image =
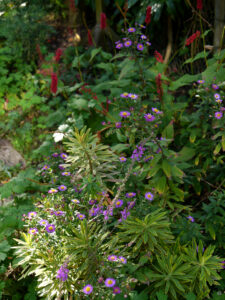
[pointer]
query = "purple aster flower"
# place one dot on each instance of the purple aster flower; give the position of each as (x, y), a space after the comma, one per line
(215, 87)
(103, 123)
(116, 290)
(118, 124)
(123, 159)
(112, 258)
(223, 264)
(140, 47)
(127, 43)
(131, 204)
(201, 81)
(62, 188)
(119, 46)
(43, 222)
(50, 228)
(122, 259)
(94, 211)
(62, 273)
(142, 26)
(149, 196)
(88, 289)
(119, 203)
(66, 173)
(219, 101)
(124, 95)
(92, 201)
(81, 216)
(124, 214)
(124, 114)
(117, 42)
(149, 117)
(130, 195)
(138, 153)
(148, 43)
(133, 96)
(55, 154)
(156, 110)
(191, 218)
(63, 155)
(131, 29)
(33, 231)
(31, 214)
(75, 201)
(45, 167)
(218, 115)
(147, 158)
(222, 108)
(108, 212)
(59, 213)
(110, 282)
(61, 167)
(217, 96)
(143, 37)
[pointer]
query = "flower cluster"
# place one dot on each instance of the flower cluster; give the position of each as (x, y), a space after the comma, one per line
(191, 39)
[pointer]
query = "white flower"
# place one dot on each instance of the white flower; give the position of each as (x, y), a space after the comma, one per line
(2, 13)
(23, 4)
(58, 136)
(63, 127)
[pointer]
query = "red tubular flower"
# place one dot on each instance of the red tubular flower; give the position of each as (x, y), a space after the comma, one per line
(58, 54)
(199, 4)
(159, 85)
(54, 83)
(148, 15)
(72, 6)
(103, 21)
(158, 56)
(191, 39)
(90, 41)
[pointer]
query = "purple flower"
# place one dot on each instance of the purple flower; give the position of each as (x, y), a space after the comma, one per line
(124, 95)
(215, 87)
(201, 81)
(116, 290)
(149, 196)
(191, 218)
(218, 115)
(133, 96)
(92, 201)
(131, 29)
(31, 214)
(88, 289)
(63, 155)
(94, 211)
(143, 37)
(43, 222)
(62, 273)
(45, 167)
(148, 43)
(122, 259)
(33, 231)
(140, 47)
(138, 153)
(112, 258)
(108, 212)
(103, 123)
(131, 204)
(62, 188)
(118, 124)
(119, 46)
(59, 213)
(75, 201)
(53, 191)
(149, 117)
(110, 282)
(124, 114)
(142, 26)
(50, 228)
(155, 110)
(55, 154)
(147, 158)
(130, 195)
(127, 43)
(219, 101)
(217, 96)
(223, 264)
(61, 167)
(119, 203)
(123, 159)
(66, 174)
(81, 216)
(124, 214)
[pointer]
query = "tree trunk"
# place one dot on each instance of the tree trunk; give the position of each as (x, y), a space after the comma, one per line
(219, 22)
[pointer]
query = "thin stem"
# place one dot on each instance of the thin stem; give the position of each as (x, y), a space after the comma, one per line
(203, 37)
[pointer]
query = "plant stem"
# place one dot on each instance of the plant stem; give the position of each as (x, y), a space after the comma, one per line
(203, 37)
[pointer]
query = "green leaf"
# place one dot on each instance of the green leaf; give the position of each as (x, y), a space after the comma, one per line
(94, 52)
(161, 296)
(168, 131)
(184, 80)
(185, 154)
(198, 56)
(190, 296)
(3, 256)
(161, 185)
(166, 168)
(211, 231)
(217, 149)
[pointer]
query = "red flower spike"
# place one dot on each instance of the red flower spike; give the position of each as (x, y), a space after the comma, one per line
(90, 41)
(58, 54)
(191, 39)
(72, 6)
(199, 4)
(159, 85)
(158, 56)
(103, 21)
(38, 49)
(54, 83)
(148, 15)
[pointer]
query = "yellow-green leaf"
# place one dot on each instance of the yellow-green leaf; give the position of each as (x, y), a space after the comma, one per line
(166, 168)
